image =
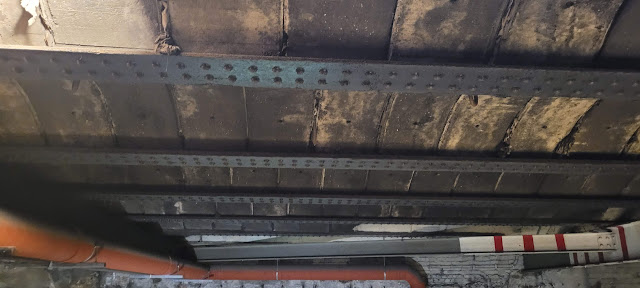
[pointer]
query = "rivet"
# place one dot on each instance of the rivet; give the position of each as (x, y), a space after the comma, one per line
(276, 69)
(255, 79)
(163, 75)
(571, 81)
(515, 89)
(525, 80)
(635, 84)
(232, 78)
(460, 77)
(430, 86)
(322, 81)
(437, 76)
(577, 92)
(409, 85)
(139, 74)
(415, 75)
(209, 77)
(556, 91)
(537, 90)
(614, 83)
(228, 67)
(299, 81)
(323, 71)
(346, 72)
(205, 66)
(186, 76)
(155, 64)
(473, 88)
(80, 61)
(504, 79)
(299, 70)
(344, 82)
(277, 80)
(393, 74)
(453, 87)
(599, 92)
(387, 84)
(180, 65)
(253, 69)
(130, 64)
(366, 83)
(482, 78)
(370, 73)
(115, 74)
(105, 62)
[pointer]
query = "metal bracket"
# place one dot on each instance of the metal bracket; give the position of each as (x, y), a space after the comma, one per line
(284, 72)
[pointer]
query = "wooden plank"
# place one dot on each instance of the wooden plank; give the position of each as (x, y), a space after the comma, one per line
(433, 182)
(344, 180)
(71, 113)
(451, 30)
(348, 122)
(212, 117)
(562, 185)
(18, 122)
(250, 27)
(476, 182)
(279, 119)
(103, 25)
(518, 183)
(607, 129)
(544, 122)
(143, 116)
(415, 122)
(621, 47)
(605, 185)
(388, 181)
(476, 126)
(554, 32)
(339, 28)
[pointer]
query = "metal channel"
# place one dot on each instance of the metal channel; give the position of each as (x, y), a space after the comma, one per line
(285, 72)
(346, 199)
(333, 249)
(183, 222)
(318, 161)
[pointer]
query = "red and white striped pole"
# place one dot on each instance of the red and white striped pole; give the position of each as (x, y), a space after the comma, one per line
(621, 244)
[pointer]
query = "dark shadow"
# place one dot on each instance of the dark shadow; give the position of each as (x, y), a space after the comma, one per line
(29, 197)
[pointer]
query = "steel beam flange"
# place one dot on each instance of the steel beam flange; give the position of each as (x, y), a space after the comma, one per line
(284, 72)
(345, 199)
(308, 161)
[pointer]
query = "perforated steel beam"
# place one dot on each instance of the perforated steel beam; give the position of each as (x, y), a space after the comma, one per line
(310, 161)
(284, 72)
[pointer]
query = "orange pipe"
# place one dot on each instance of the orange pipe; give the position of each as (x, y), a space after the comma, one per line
(30, 241)
(317, 272)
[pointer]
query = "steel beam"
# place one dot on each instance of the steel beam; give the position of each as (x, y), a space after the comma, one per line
(285, 72)
(153, 194)
(67, 156)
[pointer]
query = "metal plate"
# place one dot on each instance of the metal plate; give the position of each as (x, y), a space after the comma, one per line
(377, 162)
(345, 199)
(284, 72)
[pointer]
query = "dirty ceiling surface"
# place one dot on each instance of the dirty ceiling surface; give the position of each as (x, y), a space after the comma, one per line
(88, 114)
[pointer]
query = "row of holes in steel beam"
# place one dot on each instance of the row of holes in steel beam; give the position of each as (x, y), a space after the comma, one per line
(277, 162)
(613, 85)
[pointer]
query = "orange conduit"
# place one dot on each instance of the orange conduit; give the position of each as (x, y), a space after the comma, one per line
(317, 272)
(30, 241)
